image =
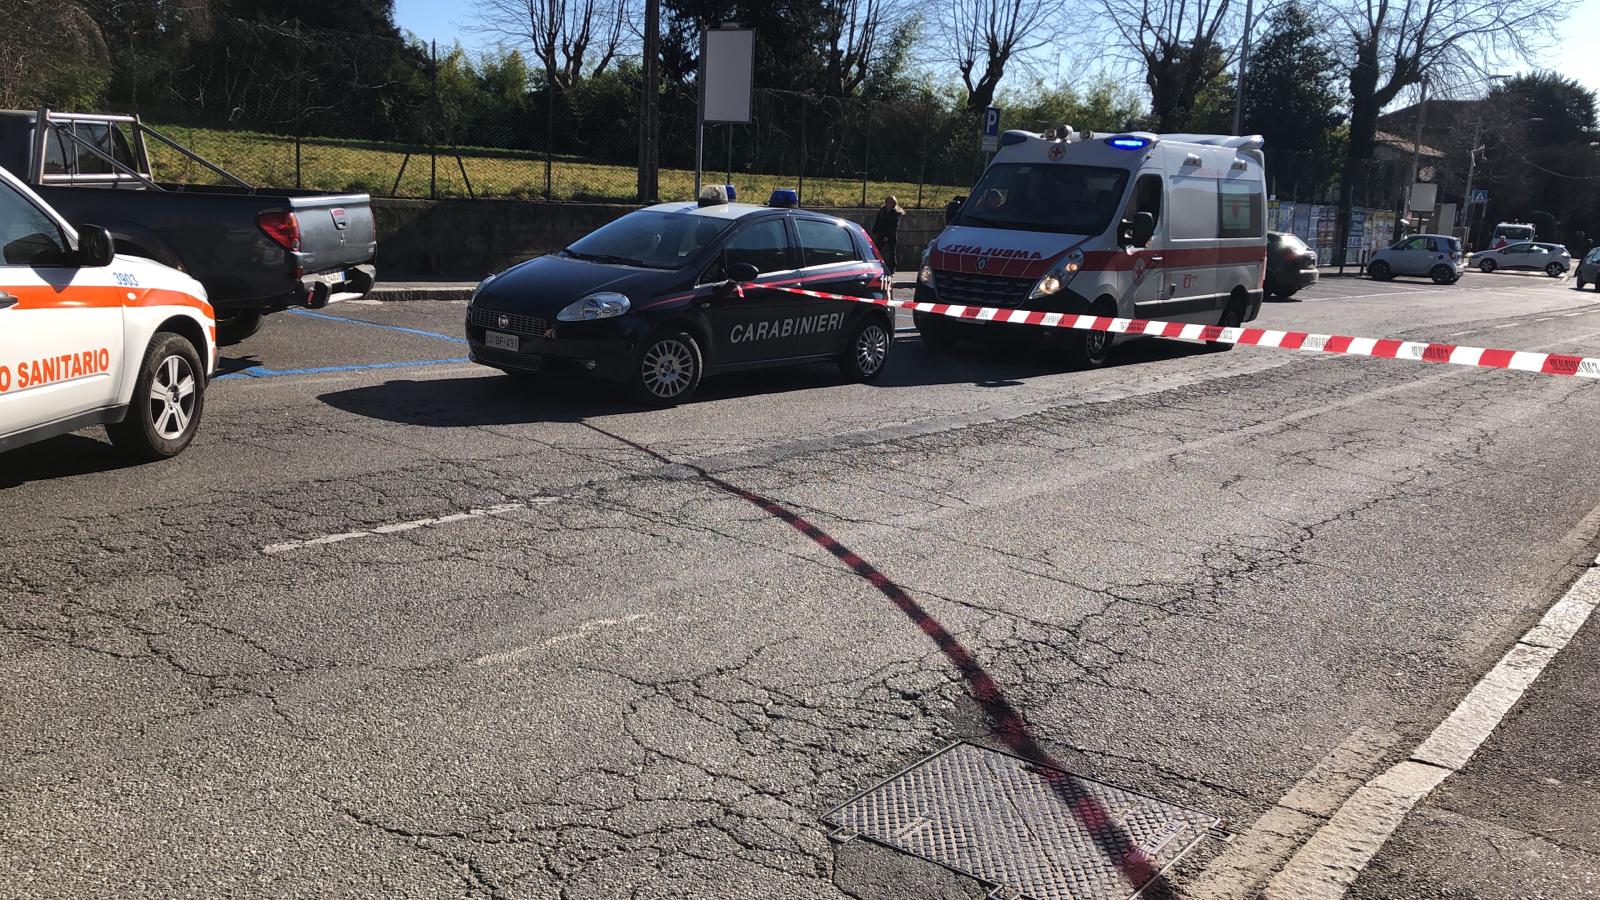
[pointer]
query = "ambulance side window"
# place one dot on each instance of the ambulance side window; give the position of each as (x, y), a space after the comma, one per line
(28, 237)
(1147, 196)
(824, 243)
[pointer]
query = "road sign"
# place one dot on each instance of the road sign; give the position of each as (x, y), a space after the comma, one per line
(991, 129)
(1480, 197)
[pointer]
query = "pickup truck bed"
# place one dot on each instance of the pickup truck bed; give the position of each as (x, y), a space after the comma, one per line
(255, 250)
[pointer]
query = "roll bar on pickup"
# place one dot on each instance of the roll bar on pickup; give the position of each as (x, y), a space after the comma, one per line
(48, 121)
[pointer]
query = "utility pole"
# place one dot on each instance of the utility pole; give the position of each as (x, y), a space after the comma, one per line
(1244, 53)
(650, 107)
(1472, 169)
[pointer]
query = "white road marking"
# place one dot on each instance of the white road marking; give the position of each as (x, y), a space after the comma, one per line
(499, 509)
(519, 654)
(1327, 864)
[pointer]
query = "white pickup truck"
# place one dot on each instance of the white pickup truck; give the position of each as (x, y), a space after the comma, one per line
(91, 338)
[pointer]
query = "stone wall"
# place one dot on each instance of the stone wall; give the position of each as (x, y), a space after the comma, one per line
(468, 239)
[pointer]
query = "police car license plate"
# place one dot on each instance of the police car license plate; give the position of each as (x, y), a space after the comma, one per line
(501, 341)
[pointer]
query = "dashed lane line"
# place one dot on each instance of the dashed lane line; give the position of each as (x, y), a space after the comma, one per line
(1327, 864)
(498, 509)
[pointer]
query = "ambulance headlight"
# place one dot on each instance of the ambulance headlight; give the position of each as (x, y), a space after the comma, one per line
(604, 305)
(925, 274)
(1057, 278)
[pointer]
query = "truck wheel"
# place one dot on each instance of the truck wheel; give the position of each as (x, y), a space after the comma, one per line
(168, 397)
(236, 325)
(668, 369)
(866, 354)
(1090, 349)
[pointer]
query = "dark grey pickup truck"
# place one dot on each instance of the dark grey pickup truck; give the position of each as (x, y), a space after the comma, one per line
(256, 251)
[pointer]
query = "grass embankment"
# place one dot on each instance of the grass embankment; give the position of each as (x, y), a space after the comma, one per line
(369, 167)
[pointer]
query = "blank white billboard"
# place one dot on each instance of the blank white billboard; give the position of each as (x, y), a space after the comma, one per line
(730, 67)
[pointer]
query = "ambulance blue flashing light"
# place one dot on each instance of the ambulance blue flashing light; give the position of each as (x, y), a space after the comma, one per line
(1127, 142)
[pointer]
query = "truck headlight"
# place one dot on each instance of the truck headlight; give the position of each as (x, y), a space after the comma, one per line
(1057, 277)
(604, 305)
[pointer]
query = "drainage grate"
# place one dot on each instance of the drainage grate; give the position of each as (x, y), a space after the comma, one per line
(1018, 825)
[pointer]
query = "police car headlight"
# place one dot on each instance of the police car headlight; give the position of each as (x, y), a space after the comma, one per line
(481, 285)
(604, 305)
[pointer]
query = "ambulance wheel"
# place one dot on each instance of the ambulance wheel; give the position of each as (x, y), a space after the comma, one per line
(1090, 349)
(867, 354)
(935, 334)
(168, 398)
(668, 369)
(1380, 271)
(237, 325)
(1486, 266)
(1232, 317)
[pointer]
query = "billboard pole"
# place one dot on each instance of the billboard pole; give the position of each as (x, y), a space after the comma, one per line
(700, 118)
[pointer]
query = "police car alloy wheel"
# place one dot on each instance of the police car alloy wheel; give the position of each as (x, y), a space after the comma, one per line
(867, 353)
(168, 399)
(668, 370)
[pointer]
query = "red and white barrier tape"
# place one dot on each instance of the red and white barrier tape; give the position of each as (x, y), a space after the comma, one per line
(1383, 348)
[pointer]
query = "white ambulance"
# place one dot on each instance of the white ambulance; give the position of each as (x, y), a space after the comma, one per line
(1136, 225)
(91, 338)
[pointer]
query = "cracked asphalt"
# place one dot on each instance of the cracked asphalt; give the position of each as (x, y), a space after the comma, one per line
(1195, 575)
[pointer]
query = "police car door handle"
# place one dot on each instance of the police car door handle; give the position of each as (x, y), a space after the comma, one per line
(6, 300)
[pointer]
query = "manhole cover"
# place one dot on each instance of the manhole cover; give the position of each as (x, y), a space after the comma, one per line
(1021, 826)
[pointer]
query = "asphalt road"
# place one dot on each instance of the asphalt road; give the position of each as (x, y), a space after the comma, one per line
(399, 626)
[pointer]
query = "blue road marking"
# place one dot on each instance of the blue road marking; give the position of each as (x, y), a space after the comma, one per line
(401, 328)
(264, 372)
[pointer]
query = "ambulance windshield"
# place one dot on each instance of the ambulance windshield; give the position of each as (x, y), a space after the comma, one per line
(1066, 199)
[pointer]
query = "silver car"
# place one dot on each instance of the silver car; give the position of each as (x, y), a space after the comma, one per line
(1551, 259)
(1436, 256)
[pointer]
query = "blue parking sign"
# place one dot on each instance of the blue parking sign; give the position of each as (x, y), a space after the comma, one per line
(991, 129)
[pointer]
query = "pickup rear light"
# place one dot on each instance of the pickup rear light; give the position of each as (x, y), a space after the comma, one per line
(282, 226)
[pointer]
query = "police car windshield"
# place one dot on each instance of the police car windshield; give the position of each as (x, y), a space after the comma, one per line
(1051, 197)
(651, 240)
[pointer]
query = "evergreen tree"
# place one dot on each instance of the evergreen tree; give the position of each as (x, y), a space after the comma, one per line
(1292, 100)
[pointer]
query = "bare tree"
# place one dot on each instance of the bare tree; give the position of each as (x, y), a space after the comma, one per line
(851, 31)
(982, 37)
(1181, 45)
(1390, 45)
(571, 39)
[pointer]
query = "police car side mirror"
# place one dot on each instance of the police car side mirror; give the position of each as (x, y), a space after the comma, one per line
(743, 273)
(96, 248)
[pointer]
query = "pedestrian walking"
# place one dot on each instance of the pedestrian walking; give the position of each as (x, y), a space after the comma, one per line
(886, 229)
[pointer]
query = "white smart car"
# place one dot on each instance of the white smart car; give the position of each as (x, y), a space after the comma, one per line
(1435, 256)
(91, 338)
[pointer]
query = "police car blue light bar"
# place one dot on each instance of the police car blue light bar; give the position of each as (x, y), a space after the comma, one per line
(1129, 142)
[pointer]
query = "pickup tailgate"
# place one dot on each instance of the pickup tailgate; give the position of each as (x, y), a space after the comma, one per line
(336, 231)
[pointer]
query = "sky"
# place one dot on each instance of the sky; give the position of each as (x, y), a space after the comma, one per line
(1573, 54)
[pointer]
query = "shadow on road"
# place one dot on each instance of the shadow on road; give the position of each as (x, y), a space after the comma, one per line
(61, 457)
(519, 400)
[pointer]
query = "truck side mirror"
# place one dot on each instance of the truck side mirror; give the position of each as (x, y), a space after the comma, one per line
(96, 248)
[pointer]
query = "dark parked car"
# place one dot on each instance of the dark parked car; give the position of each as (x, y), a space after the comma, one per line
(665, 295)
(1291, 265)
(255, 251)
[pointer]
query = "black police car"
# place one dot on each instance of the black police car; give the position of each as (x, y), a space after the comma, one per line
(665, 295)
